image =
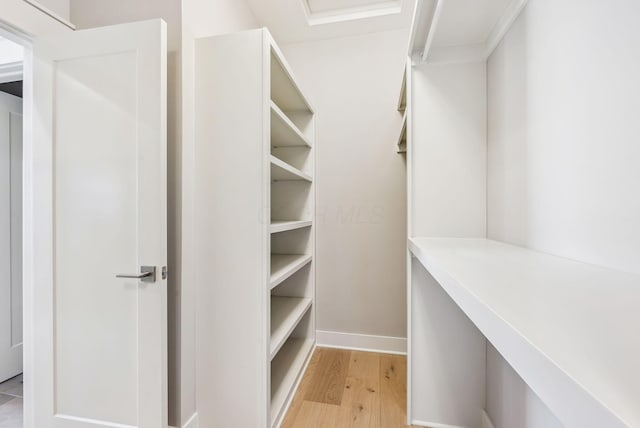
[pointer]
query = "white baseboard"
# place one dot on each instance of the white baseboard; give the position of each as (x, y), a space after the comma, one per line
(433, 424)
(362, 342)
(486, 420)
(191, 423)
(486, 423)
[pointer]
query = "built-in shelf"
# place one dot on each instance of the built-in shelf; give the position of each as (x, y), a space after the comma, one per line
(401, 143)
(285, 265)
(277, 129)
(285, 92)
(286, 369)
(284, 133)
(286, 225)
(286, 313)
(569, 329)
(282, 171)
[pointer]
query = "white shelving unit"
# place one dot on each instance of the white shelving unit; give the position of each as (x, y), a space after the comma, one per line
(255, 135)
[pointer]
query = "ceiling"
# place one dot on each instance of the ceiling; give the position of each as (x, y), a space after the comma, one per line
(293, 21)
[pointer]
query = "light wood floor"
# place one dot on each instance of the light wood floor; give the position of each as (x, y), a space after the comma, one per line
(350, 389)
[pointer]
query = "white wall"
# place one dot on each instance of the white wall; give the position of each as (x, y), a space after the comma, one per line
(563, 146)
(354, 84)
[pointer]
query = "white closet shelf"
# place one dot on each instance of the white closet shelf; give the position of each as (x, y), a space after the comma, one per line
(285, 265)
(282, 171)
(569, 329)
(286, 369)
(286, 313)
(284, 133)
(402, 99)
(402, 138)
(286, 225)
(285, 91)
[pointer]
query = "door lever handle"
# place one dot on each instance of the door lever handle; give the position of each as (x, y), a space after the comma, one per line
(147, 274)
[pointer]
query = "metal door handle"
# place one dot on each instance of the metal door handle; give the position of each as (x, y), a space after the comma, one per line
(147, 274)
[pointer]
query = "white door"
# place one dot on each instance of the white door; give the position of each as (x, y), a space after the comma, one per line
(10, 236)
(96, 209)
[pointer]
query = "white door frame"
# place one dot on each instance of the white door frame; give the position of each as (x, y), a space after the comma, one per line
(21, 22)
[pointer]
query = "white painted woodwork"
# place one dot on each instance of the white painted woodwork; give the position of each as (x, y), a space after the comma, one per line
(254, 216)
(286, 225)
(447, 358)
(285, 265)
(96, 166)
(10, 236)
(286, 372)
(286, 313)
(454, 31)
(283, 132)
(446, 179)
(281, 171)
(563, 325)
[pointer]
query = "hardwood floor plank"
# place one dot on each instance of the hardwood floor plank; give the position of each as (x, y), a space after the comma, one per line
(372, 391)
(361, 398)
(305, 384)
(316, 415)
(327, 384)
(393, 391)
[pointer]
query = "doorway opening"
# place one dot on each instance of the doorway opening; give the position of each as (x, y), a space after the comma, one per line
(11, 303)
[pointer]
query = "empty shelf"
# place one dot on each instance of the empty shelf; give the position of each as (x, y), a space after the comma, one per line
(284, 89)
(286, 369)
(402, 99)
(282, 171)
(283, 131)
(402, 138)
(286, 225)
(285, 265)
(286, 313)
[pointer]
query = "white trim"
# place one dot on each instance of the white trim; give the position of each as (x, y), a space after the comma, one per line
(458, 54)
(433, 26)
(391, 7)
(486, 420)
(510, 14)
(362, 342)
(434, 424)
(11, 72)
